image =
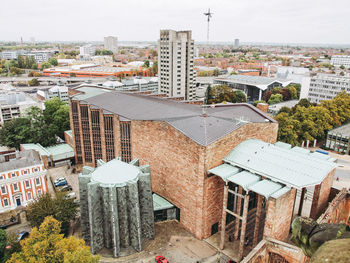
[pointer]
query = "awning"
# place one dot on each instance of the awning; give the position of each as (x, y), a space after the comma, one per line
(265, 188)
(244, 179)
(160, 203)
(224, 171)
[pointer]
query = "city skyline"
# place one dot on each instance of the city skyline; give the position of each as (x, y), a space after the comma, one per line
(319, 22)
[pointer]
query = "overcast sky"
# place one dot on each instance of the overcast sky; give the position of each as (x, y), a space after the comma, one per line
(282, 21)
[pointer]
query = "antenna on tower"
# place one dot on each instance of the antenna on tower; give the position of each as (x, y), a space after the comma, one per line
(208, 19)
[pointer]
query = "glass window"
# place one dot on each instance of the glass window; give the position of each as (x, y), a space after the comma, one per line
(6, 202)
(27, 184)
(37, 181)
(3, 189)
(29, 196)
(15, 187)
(39, 192)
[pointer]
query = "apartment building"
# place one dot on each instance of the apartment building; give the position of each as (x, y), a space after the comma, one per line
(22, 180)
(111, 43)
(58, 91)
(175, 64)
(340, 61)
(326, 87)
(87, 50)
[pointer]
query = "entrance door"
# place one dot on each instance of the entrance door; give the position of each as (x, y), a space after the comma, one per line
(18, 201)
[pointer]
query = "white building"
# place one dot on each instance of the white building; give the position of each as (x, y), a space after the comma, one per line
(22, 180)
(13, 104)
(41, 56)
(58, 91)
(341, 61)
(175, 64)
(236, 42)
(87, 50)
(111, 43)
(10, 54)
(326, 87)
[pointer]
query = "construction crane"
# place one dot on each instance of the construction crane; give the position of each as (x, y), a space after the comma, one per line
(208, 15)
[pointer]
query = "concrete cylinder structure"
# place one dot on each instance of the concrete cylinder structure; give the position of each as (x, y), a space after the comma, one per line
(116, 206)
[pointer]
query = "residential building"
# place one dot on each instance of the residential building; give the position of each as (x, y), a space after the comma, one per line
(41, 55)
(13, 104)
(87, 50)
(179, 141)
(60, 91)
(275, 108)
(236, 43)
(111, 43)
(338, 139)
(339, 60)
(10, 54)
(22, 180)
(175, 64)
(253, 86)
(326, 87)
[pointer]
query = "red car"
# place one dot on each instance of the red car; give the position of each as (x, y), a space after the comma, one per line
(161, 259)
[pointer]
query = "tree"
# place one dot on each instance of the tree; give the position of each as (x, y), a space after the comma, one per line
(3, 243)
(288, 128)
(59, 207)
(285, 109)
(342, 67)
(342, 73)
(45, 65)
(53, 61)
(240, 96)
(255, 103)
(216, 72)
(46, 244)
(267, 95)
(15, 70)
(146, 64)
(33, 82)
(15, 132)
(20, 61)
(275, 98)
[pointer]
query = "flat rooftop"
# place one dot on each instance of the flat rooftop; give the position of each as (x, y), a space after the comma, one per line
(343, 130)
(204, 126)
(23, 159)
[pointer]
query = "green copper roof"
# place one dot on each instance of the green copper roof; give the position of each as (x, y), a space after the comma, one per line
(37, 147)
(89, 92)
(265, 188)
(159, 203)
(224, 171)
(244, 179)
(69, 132)
(61, 151)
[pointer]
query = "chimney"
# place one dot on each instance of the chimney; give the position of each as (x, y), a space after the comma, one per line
(263, 106)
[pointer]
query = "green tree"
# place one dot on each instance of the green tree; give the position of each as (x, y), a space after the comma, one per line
(3, 243)
(146, 64)
(240, 96)
(342, 67)
(154, 68)
(275, 98)
(33, 82)
(53, 61)
(61, 208)
(46, 244)
(45, 65)
(16, 71)
(288, 128)
(15, 132)
(216, 72)
(20, 61)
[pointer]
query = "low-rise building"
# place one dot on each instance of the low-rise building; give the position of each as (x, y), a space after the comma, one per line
(338, 139)
(326, 87)
(22, 179)
(87, 50)
(275, 108)
(13, 104)
(58, 91)
(253, 86)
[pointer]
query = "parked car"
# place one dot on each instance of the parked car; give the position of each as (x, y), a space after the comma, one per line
(71, 195)
(23, 235)
(161, 259)
(66, 188)
(61, 183)
(59, 179)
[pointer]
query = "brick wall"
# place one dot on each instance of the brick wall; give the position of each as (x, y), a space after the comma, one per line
(321, 196)
(279, 216)
(68, 139)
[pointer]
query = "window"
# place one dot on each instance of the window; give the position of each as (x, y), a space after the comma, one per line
(29, 196)
(36, 170)
(25, 172)
(3, 189)
(27, 184)
(37, 181)
(1, 177)
(6, 202)
(39, 192)
(15, 187)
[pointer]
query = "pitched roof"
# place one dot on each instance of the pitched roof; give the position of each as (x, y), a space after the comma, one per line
(202, 127)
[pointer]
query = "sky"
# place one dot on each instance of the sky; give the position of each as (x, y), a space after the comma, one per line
(272, 21)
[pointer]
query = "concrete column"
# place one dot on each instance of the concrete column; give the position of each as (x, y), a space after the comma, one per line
(260, 94)
(123, 217)
(114, 221)
(134, 216)
(84, 206)
(107, 235)
(223, 219)
(244, 226)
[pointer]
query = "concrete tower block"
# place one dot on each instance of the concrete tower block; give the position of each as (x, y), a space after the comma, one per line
(134, 216)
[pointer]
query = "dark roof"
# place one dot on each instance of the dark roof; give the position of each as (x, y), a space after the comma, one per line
(203, 128)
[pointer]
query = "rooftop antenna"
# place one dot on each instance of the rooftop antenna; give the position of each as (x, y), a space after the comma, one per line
(208, 19)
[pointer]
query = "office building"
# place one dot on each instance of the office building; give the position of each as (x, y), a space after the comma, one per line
(111, 43)
(326, 87)
(338, 139)
(59, 91)
(341, 61)
(175, 64)
(22, 179)
(10, 54)
(87, 50)
(236, 42)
